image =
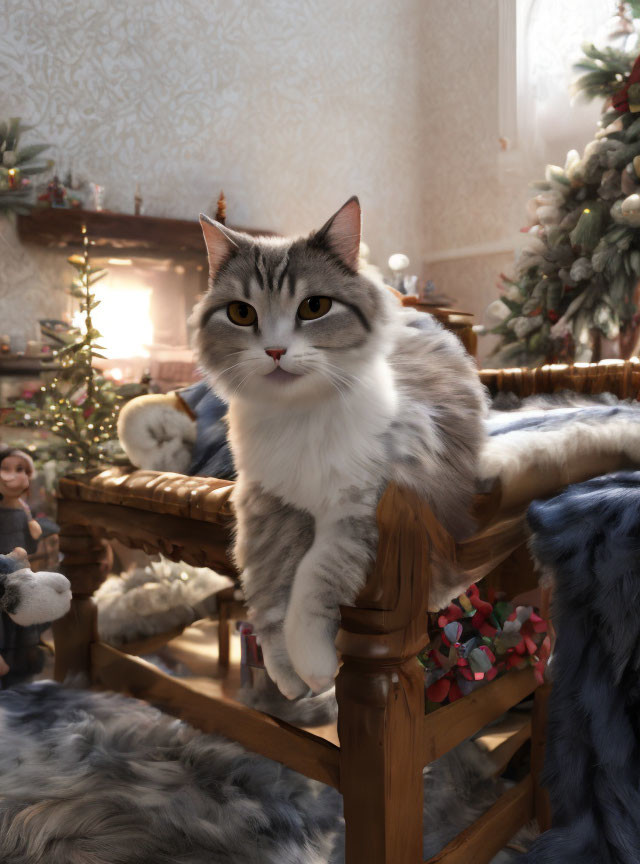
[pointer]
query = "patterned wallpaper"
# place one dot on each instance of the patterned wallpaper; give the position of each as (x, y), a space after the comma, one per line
(291, 106)
(467, 199)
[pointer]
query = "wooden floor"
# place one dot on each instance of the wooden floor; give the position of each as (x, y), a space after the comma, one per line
(196, 648)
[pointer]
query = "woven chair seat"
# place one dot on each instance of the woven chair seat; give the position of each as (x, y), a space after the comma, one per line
(203, 498)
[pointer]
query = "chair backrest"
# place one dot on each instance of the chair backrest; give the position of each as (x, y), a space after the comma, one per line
(620, 377)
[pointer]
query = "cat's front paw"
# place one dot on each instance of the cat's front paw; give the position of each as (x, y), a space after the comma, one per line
(280, 670)
(310, 644)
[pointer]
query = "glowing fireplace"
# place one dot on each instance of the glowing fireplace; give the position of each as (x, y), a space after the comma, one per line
(143, 313)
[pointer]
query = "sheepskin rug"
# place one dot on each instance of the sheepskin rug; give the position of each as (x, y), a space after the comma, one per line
(544, 432)
(155, 599)
(94, 778)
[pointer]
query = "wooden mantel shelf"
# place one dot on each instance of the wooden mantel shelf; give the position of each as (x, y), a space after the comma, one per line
(115, 233)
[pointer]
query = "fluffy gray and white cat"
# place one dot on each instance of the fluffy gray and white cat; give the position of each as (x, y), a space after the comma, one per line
(334, 390)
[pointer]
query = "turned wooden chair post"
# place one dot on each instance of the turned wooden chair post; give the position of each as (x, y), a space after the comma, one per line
(380, 692)
(83, 563)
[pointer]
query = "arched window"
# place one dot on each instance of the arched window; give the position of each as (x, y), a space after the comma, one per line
(540, 41)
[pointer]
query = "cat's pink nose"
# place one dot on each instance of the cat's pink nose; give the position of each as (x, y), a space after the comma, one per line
(276, 353)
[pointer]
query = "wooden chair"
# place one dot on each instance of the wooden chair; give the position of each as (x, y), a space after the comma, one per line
(385, 739)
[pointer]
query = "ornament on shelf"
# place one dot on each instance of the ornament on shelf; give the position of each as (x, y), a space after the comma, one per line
(398, 263)
(77, 188)
(60, 195)
(55, 194)
(97, 196)
(429, 295)
(137, 202)
(221, 209)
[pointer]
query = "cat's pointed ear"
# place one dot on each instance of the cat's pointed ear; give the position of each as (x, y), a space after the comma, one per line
(220, 243)
(342, 233)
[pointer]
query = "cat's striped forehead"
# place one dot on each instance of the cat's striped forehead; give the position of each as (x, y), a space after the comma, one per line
(271, 268)
(278, 270)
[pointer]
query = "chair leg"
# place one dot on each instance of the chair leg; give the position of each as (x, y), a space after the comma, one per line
(542, 806)
(223, 634)
(85, 559)
(72, 636)
(380, 723)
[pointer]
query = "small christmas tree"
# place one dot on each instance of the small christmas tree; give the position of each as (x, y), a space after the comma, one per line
(17, 165)
(577, 278)
(78, 405)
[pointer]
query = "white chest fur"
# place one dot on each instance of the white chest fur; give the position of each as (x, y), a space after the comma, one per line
(309, 456)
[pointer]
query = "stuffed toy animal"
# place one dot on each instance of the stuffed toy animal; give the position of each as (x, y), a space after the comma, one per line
(184, 431)
(26, 599)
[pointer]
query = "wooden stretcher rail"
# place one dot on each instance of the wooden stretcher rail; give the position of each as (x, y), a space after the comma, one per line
(504, 753)
(482, 840)
(453, 723)
(310, 755)
(150, 644)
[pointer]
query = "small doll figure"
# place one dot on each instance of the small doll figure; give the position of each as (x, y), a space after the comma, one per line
(55, 193)
(19, 529)
(17, 525)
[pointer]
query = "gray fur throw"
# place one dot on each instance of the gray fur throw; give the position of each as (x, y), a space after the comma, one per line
(589, 536)
(155, 599)
(542, 432)
(91, 778)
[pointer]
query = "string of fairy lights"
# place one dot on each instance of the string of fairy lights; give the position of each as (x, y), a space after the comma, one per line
(78, 405)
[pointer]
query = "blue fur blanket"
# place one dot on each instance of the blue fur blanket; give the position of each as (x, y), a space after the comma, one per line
(589, 536)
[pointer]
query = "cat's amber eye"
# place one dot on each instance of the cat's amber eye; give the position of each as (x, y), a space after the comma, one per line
(314, 307)
(241, 313)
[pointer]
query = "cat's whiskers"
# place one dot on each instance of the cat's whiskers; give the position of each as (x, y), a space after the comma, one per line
(235, 392)
(335, 383)
(239, 363)
(346, 377)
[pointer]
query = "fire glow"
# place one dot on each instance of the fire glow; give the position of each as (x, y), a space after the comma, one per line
(123, 317)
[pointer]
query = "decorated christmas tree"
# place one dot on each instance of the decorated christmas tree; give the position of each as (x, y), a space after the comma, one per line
(78, 405)
(577, 278)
